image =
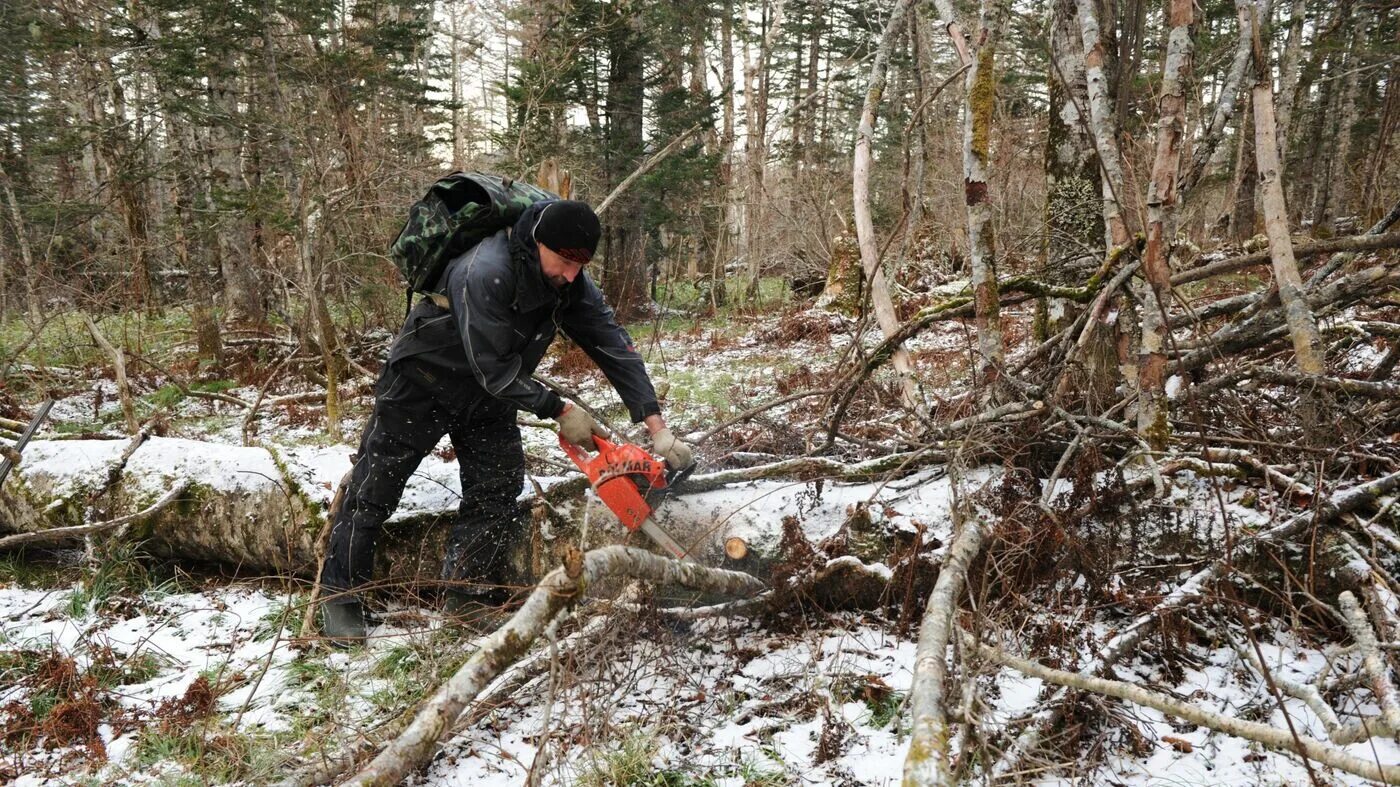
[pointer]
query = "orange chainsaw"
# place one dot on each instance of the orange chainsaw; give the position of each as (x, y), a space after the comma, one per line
(629, 481)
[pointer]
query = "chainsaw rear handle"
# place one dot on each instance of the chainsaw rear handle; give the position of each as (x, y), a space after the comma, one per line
(578, 455)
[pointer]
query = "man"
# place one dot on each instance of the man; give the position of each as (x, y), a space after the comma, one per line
(461, 366)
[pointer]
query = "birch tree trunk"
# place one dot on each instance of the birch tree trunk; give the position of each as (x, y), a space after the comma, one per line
(1073, 207)
(1302, 327)
(1103, 125)
(860, 187)
(928, 761)
(1153, 422)
(1225, 105)
(981, 241)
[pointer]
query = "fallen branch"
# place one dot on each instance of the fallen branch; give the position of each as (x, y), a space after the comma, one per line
(810, 468)
(758, 409)
(119, 365)
(928, 760)
(1353, 243)
(309, 397)
(559, 589)
(646, 167)
(79, 531)
(1372, 390)
(1273, 737)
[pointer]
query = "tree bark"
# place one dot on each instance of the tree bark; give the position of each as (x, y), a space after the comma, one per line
(981, 241)
(26, 256)
(1225, 105)
(1302, 327)
(1103, 126)
(928, 761)
(1288, 79)
(1243, 215)
(625, 280)
(1161, 206)
(865, 225)
(1336, 200)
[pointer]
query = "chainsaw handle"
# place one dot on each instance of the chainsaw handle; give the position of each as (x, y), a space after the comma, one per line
(579, 455)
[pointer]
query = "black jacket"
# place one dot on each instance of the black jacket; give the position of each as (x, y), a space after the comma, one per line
(504, 316)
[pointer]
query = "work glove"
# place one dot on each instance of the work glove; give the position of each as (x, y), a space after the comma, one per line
(578, 427)
(669, 447)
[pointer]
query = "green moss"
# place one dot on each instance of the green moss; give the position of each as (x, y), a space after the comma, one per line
(982, 100)
(1160, 431)
(315, 516)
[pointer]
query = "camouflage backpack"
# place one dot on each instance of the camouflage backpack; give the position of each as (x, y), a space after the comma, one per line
(459, 211)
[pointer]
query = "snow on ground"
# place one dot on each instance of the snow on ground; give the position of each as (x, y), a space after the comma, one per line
(225, 634)
(722, 702)
(727, 702)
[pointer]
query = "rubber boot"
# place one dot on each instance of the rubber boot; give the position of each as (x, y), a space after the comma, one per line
(343, 623)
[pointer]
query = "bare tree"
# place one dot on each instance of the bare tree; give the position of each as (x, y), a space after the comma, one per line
(1161, 205)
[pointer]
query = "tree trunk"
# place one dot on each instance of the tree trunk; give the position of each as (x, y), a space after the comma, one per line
(1074, 220)
(1153, 421)
(242, 301)
(1225, 104)
(977, 142)
(1104, 129)
(756, 145)
(1338, 198)
(26, 256)
(1383, 151)
(1302, 327)
(625, 281)
(1243, 216)
(865, 225)
(1288, 79)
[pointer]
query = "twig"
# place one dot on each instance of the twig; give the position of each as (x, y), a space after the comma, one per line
(761, 408)
(65, 533)
(247, 427)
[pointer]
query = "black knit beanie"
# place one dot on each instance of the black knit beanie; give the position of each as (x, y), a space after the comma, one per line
(570, 229)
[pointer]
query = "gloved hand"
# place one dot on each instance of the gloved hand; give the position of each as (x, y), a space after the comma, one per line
(578, 427)
(676, 453)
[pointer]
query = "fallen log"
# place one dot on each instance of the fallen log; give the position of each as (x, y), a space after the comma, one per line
(262, 508)
(560, 589)
(928, 761)
(1354, 243)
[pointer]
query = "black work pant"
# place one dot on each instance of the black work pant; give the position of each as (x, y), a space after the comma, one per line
(405, 426)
